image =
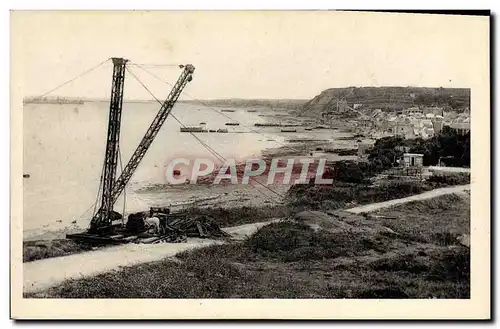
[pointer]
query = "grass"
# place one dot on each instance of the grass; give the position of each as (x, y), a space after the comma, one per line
(448, 179)
(439, 220)
(291, 260)
(341, 195)
(290, 241)
(226, 217)
(233, 271)
(35, 250)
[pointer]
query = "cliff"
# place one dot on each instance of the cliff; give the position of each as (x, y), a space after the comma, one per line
(384, 98)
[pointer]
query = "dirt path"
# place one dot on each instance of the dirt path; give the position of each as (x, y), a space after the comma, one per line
(422, 196)
(243, 231)
(449, 169)
(41, 274)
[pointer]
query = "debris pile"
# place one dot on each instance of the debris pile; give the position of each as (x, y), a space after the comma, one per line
(197, 226)
(155, 226)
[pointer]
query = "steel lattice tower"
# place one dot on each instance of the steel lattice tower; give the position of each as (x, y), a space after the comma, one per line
(112, 144)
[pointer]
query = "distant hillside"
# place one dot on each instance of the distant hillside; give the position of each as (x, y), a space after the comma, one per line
(289, 104)
(385, 98)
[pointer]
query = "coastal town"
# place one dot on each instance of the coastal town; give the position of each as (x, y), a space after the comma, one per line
(413, 122)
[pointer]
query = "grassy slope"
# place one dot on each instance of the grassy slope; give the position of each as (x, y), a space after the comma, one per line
(35, 250)
(290, 260)
(433, 221)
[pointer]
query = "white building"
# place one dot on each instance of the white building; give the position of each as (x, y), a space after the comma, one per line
(413, 160)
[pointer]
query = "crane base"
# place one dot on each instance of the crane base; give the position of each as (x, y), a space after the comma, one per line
(116, 239)
(178, 228)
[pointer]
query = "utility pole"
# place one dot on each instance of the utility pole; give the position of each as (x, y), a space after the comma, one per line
(112, 145)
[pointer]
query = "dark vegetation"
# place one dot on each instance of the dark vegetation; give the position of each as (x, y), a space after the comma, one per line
(352, 187)
(226, 217)
(445, 99)
(291, 260)
(449, 144)
(451, 147)
(292, 241)
(342, 195)
(385, 153)
(35, 250)
(438, 180)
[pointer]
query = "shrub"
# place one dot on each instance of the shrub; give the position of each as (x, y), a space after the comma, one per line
(291, 241)
(283, 236)
(35, 250)
(321, 197)
(449, 179)
(409, 263)
(353, 172)
(451, 264)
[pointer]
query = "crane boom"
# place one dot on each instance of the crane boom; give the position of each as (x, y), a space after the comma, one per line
(101, 219)
(152, 131)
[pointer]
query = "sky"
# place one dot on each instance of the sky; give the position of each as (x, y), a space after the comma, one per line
(259, 54)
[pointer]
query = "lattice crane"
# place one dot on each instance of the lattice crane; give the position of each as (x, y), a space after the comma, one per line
(111, 188)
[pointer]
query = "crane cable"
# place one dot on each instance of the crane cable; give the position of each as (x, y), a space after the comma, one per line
(224, 115)
(267, 187)
(99, 191)
(224, 159)
(74, 78)
(221, 113)
(124, 190)
(94, 204)
(61, 85)
(154, 65)
(230, 118)
(209, 148)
